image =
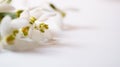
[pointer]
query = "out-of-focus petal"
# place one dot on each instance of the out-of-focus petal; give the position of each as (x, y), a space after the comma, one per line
(25, 14)
(46, 16)
(55, 23)
(37, 12)
(6, 26)
(19, 23)
(21, 45)
(39, 37)
(6, 8)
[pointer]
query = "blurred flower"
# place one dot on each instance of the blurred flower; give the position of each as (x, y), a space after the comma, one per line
(5, 1)
(29, 28)
(6, 8)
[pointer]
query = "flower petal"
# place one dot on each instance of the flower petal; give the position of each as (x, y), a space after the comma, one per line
(6, 8)
(6, 26)
(37, 12)
(38, 36)
(21, 45)
(55, 23)
(19, 23)
(25, 14)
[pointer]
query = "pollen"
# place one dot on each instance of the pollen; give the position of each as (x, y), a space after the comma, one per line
(32, 19)
(18, 13)
(10, 39)
(15, 32)
(43, 27)
(25, 30)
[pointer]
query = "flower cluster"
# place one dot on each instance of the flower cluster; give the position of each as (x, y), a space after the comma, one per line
(28, 28)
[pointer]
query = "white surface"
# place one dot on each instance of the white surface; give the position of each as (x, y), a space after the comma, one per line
(93, 40)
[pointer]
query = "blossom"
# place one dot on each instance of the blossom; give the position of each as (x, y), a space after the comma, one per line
(21, 31)
(29, 28)
(11, 39)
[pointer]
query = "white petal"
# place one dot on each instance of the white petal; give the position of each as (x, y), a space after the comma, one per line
(37, 12)
(18, 23)
(46, 16)
(21, 45)
(55, 23)
(46, 6)
(6, 26)
(6, 8)
(39, 37)
(25, 14)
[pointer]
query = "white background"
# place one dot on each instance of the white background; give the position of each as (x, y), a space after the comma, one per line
(92, 39)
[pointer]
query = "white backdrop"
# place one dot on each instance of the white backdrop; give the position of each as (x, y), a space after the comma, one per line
(91, 40)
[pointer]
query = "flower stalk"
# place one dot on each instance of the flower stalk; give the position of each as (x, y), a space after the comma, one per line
(58, 10)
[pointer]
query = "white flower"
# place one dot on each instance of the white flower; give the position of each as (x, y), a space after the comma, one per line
(32, 28)
(42, 11)
(53, 19)
(55, 23)
(14, 37)
(10, 39)
(35, 34)
(6, 26)
(39, 35)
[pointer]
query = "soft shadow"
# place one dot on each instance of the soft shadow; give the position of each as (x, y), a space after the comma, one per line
(73, 27)
(113, 0)
(49, 48)
(42, 49)
(72, 9)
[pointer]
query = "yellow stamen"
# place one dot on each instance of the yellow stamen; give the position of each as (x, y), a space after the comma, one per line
(15, 32)
(42, 30)
(18, 13)
(43, 27)
(10, 39)
(25, 30)
(32, 19)
(46, 26)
